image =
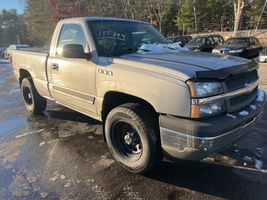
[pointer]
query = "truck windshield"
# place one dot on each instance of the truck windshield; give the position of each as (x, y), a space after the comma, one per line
(116, 38)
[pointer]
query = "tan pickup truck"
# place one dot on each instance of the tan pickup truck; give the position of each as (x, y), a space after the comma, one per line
(153, 98)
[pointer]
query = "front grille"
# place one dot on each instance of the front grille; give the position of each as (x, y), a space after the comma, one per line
(241, 101)
(239, 81)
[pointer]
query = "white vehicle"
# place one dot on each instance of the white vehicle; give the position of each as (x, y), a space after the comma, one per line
(263, 55)
(12, 47)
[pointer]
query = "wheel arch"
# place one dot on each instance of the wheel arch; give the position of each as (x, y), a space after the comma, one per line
(23, 73)
(112, 99)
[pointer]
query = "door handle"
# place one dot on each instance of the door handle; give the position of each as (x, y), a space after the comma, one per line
(55, 66)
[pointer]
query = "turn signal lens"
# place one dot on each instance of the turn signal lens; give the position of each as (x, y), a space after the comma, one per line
(205, 110)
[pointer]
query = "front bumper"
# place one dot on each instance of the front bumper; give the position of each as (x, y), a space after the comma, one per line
(196, 139)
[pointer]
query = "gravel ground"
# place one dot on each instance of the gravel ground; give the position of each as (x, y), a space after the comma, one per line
(61, 155)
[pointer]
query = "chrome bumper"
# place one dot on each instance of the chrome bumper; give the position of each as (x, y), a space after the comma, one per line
(186, 146)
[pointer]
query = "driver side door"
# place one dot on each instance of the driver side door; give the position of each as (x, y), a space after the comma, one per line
(73, 79)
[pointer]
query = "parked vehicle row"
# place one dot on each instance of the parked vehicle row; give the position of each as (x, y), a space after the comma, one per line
(205, 43)
(246, 47)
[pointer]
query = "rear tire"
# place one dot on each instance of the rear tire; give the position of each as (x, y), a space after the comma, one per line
(34, 103)
(133, 137)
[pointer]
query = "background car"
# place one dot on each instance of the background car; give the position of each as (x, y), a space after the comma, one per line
(2, 52)
(12, 47)
(205, 43)
(183, 40)
(246, 47)
(263, 55)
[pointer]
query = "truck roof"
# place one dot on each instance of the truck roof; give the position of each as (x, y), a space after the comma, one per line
(87, 18)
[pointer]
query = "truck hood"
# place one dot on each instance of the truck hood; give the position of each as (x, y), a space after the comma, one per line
(186, 65)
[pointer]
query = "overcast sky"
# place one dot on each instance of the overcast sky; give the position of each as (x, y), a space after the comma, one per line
(12, 4)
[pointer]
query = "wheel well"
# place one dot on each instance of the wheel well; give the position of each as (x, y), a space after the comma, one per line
(114, 99)
(23, 74)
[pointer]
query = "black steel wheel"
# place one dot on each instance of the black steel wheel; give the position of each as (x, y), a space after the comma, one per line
(34, 103)
(125, 137)
(133, 137)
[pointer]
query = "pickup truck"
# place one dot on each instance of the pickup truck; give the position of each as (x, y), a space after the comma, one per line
(153, 99)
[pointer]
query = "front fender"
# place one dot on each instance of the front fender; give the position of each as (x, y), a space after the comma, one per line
(167, 95)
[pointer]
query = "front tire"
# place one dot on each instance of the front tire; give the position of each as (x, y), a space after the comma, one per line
(133, 137)
(34, 103)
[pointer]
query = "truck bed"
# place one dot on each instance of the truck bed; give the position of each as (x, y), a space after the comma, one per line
(36, 50)
(33, 60)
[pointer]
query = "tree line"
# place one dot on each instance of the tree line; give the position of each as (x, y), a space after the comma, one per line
(171, 17)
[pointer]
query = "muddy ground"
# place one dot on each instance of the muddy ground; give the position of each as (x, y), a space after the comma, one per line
(61, 155)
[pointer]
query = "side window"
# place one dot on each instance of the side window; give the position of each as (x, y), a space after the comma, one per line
(218, 40)
(256, 41)
(71, 34)
(221, 40)
(252, 41)
(210, 41)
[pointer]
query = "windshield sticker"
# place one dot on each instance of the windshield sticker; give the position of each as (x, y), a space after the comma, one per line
(69, 35)
(108, 33)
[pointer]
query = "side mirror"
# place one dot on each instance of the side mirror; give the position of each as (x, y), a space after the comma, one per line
(75, 51)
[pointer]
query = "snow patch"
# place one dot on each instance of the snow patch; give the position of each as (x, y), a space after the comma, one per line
(248, 159)
(42, 144)
(158, 48)
(253, 107)
(29, 133)
(260, 96)
(258, 164)
(62, 176)
(243, 113)
(232, 116)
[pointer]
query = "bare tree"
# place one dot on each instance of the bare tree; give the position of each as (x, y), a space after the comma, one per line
(239, 6)
(128, 8)
(159, 10)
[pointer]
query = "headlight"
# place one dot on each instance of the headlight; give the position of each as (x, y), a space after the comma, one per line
(204, 89)
(205, 110)
(200, 90)
(236, 51)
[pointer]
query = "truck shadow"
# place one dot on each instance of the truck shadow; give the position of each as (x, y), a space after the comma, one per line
(208, 178)
(213, 179)
(69, 115)
(230, 182)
